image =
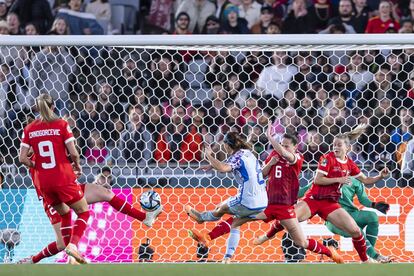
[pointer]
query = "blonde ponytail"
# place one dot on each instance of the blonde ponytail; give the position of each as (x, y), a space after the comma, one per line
(44, 104)
(353, 134)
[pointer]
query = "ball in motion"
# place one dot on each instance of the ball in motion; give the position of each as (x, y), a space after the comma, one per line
(150, 201)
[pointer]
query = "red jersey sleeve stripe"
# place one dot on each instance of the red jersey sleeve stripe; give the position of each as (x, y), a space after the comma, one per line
(322, 172)
(24, 145)
(69, 140)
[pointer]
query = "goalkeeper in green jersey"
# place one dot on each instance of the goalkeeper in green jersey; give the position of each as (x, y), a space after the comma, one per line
(363, 218)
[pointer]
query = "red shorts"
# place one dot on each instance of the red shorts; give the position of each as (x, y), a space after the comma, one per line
(279, 212)
(321, 207)
(51, 213)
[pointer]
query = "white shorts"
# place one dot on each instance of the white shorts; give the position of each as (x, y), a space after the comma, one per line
(241, 211)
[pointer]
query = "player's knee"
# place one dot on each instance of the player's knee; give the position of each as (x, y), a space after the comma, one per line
(372, 218)
(355, 232)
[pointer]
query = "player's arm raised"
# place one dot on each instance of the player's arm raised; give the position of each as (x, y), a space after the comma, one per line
(290, 157)
(216, 164)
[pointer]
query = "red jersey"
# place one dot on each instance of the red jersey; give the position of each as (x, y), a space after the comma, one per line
(283, 182)
(332, 167)
(48, 141)
(377, 26)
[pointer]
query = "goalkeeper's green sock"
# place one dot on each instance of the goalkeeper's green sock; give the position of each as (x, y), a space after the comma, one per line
(371, 250)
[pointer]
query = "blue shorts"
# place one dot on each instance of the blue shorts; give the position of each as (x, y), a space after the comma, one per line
(241, 211)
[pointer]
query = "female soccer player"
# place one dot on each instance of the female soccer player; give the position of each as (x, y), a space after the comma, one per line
(363, 218)
(334, 171)
(283, 167)
(94, 192)
(50, 137)
(251, 198)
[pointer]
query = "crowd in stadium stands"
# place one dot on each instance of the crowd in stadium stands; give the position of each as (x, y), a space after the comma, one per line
(134, 106)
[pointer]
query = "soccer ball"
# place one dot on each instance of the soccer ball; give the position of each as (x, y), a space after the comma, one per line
(150, 201)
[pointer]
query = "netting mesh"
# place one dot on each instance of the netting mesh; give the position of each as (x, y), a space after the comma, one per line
(147, 114)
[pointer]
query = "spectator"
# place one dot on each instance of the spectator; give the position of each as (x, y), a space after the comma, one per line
(91, 120)
(250, 10)
(212, 25)
(14, 24)
(59, 27)
(101, 9)
(108, 104)
(396, 60)
(362, 13)
(302, 81)
(162, 75)
(266, 16)
(31, 29)
(358, 71)
(345, 16)
(96, 153)
(252, 66)
(3, 10)
(4, 28)
(139, 98)
(320, 13)
(407, 27)
(233, 24)
(36, 11)
(340, 28)
(410, 92)
(403, 132)
(135, 144)
(178, 98)
(250, 112)
(50, 71)
(216, 110)
(80, 23)
(273, 28)
(384, 116)
(233, 87)
(274, 80)
(199, 11)
(221, 66)
(384, 21)
(128, 81)
(157, 121)
(298, 20)
(182, 22)
(159, 16)
(289, 100)
(233, 120)
(315, 147)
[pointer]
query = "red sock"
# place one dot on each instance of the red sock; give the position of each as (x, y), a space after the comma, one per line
(276, 227)
(66, 227)
(79, 227)
(360, 247)
(221, 229)
(124, 207)
(319, 248)
(48, 251)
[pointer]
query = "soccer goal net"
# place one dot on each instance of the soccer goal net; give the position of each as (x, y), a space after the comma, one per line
(146, 106)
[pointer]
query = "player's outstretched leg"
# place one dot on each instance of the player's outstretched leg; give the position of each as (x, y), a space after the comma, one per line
(205, 238)
(200, 217)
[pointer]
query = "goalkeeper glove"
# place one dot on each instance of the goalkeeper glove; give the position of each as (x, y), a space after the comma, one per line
(381, 206)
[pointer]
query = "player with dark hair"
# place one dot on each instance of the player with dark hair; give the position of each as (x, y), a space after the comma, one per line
(282, 167)
(251, 198)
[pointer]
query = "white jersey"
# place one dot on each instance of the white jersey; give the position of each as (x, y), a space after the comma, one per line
(252, 188)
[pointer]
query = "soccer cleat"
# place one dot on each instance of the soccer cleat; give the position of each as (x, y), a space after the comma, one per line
(260, 240)
(27, 260)
(383, 259)
(193, 214)
(204, 239)
(226, 260)
(72, 251)
(151, 216)
(335, 256)
(370, 261)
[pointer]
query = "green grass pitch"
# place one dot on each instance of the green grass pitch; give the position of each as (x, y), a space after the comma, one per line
(139, 269)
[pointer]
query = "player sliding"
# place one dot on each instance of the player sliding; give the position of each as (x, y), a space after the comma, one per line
(334, 171)
(50, 137)
(282, 167)
(251, 198)
(94, 192)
